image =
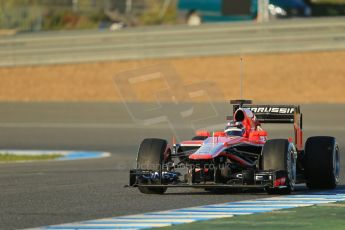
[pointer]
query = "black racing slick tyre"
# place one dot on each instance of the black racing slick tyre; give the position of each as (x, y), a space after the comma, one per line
(151, 157)
(280, 155)
(322, 163)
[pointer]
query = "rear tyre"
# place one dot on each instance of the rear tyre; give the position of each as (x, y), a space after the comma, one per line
(280, 155)
(322, 163)
(151, 157)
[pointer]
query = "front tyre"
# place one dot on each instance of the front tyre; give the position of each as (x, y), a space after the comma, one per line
(322, 162)
(280, 155)
(151, 157)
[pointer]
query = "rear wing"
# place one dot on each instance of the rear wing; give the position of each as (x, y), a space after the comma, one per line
(275, 114)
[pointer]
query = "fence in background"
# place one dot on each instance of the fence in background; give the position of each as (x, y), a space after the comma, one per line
(172, 41)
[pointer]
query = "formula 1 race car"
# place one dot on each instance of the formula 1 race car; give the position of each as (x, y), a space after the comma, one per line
(241, 156)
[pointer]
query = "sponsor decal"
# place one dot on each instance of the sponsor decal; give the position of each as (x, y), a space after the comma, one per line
(277, 110)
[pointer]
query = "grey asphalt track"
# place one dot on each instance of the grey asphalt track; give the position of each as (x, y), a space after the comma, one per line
(45, 193)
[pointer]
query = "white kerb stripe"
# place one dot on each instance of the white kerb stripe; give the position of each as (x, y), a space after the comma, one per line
(206, 213)
(141, 220)
(77, 225)
(261, 205)
(184, 215)
(303, 198)
(232, 208)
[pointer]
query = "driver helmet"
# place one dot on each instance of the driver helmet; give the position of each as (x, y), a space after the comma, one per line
(235, 129)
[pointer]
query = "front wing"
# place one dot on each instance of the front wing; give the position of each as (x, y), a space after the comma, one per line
(259, 180)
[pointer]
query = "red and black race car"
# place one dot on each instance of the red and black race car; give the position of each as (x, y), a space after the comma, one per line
(241, 156)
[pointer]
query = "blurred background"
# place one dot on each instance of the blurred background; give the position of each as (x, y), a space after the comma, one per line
(71, 50)
(45, 15)
(149, 57)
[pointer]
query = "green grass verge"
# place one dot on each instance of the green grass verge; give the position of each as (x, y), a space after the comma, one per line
(7, 157)
(321, 217)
